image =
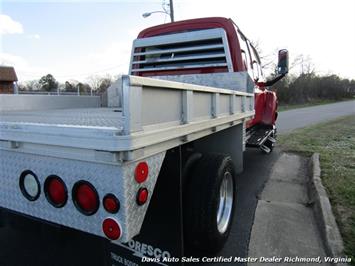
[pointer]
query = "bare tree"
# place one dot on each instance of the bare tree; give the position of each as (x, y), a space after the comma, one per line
(94, 82)
(32, 85)
(304, 62)
(99, 84)
(21, 86)
(268, 62)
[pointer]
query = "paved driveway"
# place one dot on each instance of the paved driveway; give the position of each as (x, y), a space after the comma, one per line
(297, 118)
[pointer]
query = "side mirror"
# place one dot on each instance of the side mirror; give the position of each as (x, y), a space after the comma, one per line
(282, 65)
(282, 70)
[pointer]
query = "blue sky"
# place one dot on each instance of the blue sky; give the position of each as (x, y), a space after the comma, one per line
(76, 39)
(59, 34)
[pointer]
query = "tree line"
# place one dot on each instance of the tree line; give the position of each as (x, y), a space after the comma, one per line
(94, 84)
(305, 85)
(310, 87)
(293, 89)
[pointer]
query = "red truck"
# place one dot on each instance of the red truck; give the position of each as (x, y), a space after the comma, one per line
(153, 171)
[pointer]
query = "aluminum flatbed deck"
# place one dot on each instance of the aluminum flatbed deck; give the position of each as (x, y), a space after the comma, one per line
(146, 117)
(79, 117)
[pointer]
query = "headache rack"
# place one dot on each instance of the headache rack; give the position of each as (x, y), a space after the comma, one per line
(187, 50)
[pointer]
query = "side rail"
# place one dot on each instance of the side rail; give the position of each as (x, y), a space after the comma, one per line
(167, 114)
(156, 104)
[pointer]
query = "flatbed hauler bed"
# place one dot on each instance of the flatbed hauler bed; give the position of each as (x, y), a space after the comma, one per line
(154, 171)
(116, 150)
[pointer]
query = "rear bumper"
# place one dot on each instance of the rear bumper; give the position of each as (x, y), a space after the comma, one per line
(106, 178)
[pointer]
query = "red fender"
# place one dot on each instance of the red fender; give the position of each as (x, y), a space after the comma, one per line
(265, 108)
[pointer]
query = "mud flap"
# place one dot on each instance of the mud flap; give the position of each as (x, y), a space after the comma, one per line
(160, 241)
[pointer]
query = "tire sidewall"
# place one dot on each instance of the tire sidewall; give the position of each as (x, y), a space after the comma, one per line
(201, 203)
(226, 166)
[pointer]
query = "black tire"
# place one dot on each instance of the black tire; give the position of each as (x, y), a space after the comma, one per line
(201, 200)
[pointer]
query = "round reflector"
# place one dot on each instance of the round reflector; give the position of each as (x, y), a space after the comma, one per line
(56, 191)
(29, 185)
(141, 172)
(111, 203)
(111, 228)
(85, 197)
(142, 196)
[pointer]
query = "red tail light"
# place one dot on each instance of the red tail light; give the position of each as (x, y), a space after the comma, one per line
(111, 203)
(85, 198)
(55, 191)
(141, 172)
(142, 196)
(111, 229)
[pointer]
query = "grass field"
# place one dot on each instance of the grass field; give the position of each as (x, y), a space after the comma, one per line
(335, 142)
(285, 107)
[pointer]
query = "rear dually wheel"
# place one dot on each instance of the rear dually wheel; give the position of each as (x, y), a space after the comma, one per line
(209, 200)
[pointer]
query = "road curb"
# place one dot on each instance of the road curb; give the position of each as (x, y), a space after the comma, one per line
(323, 211)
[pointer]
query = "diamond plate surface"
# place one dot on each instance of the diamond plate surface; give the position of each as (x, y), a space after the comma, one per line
(116, 179)
(95, 117)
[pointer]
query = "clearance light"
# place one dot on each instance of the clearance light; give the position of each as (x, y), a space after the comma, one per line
(142, 196)
(56, 191)
(111, 203)
(141, 172)
(85, 197)
(111, 229)
(29, 185)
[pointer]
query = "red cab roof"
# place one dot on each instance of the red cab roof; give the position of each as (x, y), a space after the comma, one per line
(201, 24)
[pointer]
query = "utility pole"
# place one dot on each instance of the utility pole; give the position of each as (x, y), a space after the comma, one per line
(171, 10)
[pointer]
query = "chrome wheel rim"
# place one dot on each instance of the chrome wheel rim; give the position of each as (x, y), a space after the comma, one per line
(224, 211)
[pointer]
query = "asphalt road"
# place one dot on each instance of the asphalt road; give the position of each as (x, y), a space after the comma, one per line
(31, 245)
(298, 118)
